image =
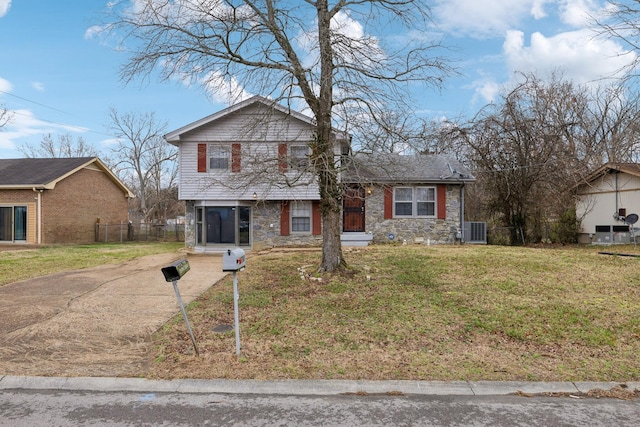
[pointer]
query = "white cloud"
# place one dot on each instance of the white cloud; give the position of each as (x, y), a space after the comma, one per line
(485, 18)
(582, 58)
(486, 89)
(537, 9)
(24, 124)
(576, 54)
(94, 31)
(39, 86)
(578, 13)
(4, 7)
(491, 18)
(223, 89)
(355, 47)
(5, 85)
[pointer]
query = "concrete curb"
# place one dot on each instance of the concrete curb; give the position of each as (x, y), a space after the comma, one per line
(302, 387)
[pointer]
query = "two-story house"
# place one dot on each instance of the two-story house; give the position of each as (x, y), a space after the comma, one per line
(244, 175)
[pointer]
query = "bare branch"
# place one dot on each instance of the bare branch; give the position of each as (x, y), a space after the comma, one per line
(315, 55)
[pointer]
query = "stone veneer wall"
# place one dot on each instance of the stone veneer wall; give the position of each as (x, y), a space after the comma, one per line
(190, 225)
(413, 230)
(266, 228)
(265, 221)
(265, 217)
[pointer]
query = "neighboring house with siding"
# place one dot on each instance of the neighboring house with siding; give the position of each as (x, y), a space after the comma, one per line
(608, 196)
(47, 201)
(244, 175)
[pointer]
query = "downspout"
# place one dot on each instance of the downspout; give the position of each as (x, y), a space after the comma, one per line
(38, 215)
(617, 208)
(462, 213)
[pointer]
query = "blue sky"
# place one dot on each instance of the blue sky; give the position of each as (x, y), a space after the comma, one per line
(57, 78)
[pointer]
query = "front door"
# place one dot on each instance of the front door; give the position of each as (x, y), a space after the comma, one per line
(223, 225)
(353, 210)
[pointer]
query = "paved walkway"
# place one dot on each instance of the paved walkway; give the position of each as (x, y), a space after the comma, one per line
(308, 387)
(96, 321)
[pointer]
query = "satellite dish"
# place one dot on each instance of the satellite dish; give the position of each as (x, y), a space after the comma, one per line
(631, 219)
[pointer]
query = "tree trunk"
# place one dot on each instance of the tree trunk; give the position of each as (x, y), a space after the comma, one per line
(331, 247)
(330, 189)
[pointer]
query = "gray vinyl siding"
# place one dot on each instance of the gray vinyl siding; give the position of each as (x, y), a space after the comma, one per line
(259, 159)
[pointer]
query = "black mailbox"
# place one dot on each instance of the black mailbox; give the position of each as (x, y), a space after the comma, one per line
(176, 270)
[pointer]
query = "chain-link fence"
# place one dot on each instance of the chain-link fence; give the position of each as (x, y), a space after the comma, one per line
(140, 232)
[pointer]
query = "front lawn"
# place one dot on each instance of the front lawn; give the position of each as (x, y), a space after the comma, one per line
(20, 264)
(419, 312)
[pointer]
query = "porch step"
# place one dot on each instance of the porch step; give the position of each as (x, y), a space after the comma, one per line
(355, 239)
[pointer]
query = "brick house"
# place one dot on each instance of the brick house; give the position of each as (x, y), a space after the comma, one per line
(245, 177)
(46, 201)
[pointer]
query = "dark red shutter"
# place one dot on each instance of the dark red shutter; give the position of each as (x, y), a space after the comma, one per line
(282, 157)
(202, 157)
(284, 219)
(388, 202)
(316, 218)
(236, 156)
(442, 201)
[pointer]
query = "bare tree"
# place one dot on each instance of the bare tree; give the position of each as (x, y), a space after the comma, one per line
(141, 157)
(532, 147)
(315, 53)
(63, 146)
(5, 116)
(614, 128)
(621, 22)
(524, 150)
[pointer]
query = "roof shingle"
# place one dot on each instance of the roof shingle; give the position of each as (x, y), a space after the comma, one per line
(396, 168)
(37, 172)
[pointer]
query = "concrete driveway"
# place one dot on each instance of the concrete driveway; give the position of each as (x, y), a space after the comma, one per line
(97, 321)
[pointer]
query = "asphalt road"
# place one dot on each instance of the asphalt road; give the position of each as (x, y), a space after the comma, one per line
(77, 408)
(60, 401)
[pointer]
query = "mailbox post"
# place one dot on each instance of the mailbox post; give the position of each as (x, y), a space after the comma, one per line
(173, 273)
(234, 260)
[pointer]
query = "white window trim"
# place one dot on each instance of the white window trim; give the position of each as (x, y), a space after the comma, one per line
(414, 202)
(308, 205)
(226, 148)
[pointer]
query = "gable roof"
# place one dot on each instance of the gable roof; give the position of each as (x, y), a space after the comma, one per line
(630, 168)
(174, 136)
(396, 168)
(17, 174)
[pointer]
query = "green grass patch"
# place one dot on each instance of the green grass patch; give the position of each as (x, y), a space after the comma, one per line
(16, 265)
(422, 312)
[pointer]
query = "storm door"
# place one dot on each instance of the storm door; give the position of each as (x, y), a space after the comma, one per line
(229, 225)
(221, 225)
(353, 210)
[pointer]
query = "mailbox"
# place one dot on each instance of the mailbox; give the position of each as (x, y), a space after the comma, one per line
(176, 270)
(233, 260)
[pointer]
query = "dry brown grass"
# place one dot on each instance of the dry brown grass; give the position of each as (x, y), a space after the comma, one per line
(427, 312)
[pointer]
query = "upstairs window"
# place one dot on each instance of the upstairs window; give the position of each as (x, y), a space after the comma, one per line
(414, 201)
(299, 156)
(219, 157)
